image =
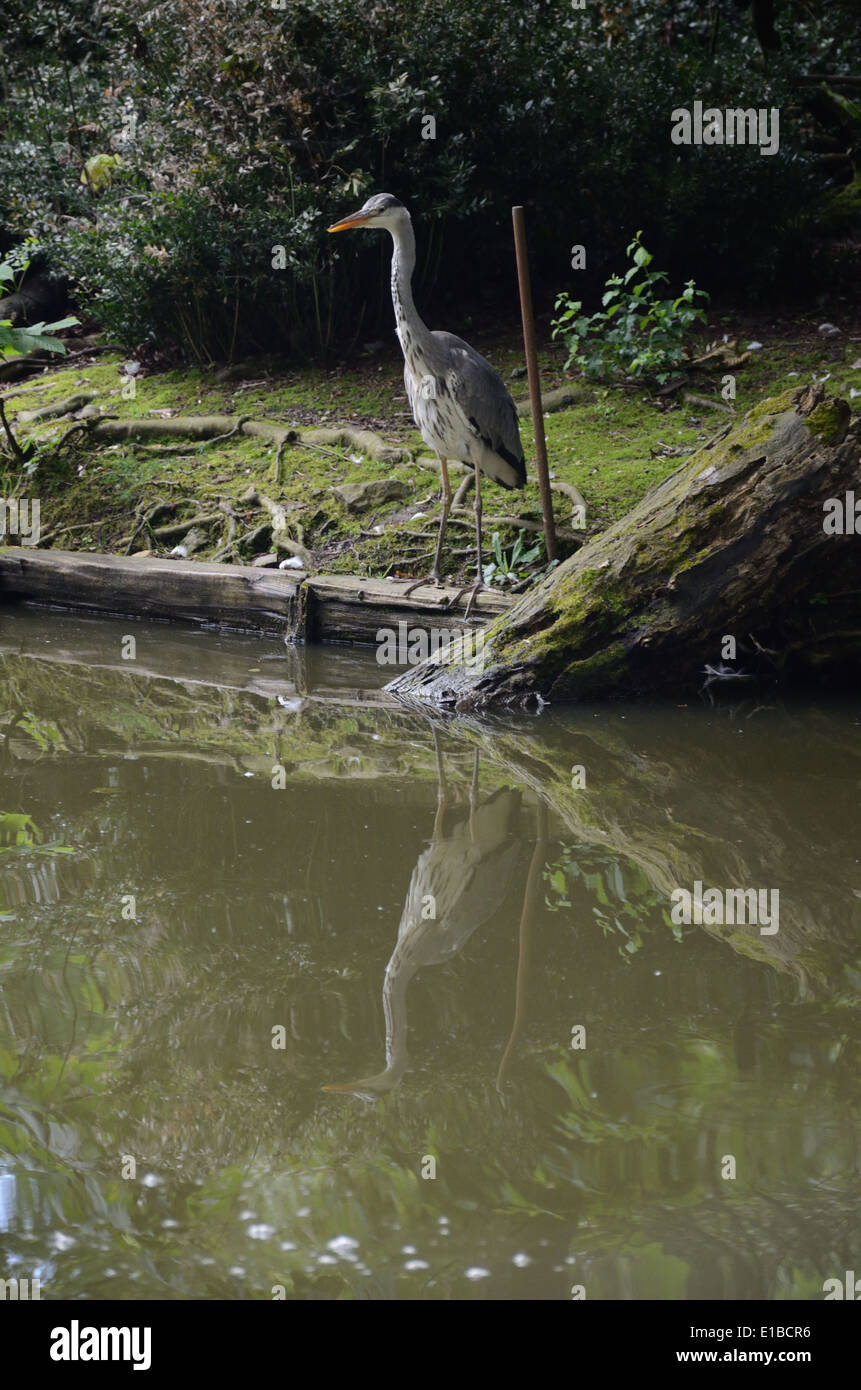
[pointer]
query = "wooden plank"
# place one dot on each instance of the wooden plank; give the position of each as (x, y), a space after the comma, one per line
(235, 598)
(238, 598)
(345, 608)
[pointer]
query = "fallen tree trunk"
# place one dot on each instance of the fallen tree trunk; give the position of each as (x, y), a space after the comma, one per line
(735, 544)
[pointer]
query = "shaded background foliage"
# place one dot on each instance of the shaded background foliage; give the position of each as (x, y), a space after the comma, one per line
(254, 127)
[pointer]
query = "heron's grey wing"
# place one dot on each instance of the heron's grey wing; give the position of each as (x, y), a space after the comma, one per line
(481, 394)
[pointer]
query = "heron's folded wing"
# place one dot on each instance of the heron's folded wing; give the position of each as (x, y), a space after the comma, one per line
(481, 394)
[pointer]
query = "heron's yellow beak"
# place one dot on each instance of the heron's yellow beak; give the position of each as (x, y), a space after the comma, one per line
(354, 220)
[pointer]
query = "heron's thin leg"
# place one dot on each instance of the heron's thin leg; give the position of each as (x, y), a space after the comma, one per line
(479, 584)
(530, 898)
(446, 508)
(479, 581)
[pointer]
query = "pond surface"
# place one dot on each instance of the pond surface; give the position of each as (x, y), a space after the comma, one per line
(301, 990)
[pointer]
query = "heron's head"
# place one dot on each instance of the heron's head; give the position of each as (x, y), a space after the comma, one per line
(383, 210)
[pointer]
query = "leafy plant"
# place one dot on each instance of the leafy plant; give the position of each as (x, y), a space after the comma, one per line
(510, 566)
(98, 171)
(16, 341)
(635, 333)
(18, 831)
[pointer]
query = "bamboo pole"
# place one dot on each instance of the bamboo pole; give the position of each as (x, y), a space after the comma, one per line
(525, 287)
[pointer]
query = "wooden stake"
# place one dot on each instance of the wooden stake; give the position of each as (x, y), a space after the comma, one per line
(519, 220)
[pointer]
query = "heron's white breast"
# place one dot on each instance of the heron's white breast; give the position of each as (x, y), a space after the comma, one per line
(441, 421)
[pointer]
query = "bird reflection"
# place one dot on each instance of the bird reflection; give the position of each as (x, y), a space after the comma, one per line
(459, 882)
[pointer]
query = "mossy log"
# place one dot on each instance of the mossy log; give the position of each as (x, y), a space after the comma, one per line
(733, 544)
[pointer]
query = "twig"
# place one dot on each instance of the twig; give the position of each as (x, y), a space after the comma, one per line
(318, 449)
(90, 351)
(82, 425)
(67, 530)
(237, 428)
(17, 452)
(707, 402)
(26, 391)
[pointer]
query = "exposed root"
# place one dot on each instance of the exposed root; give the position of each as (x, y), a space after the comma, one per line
(280, 523)
(363, 441)
(463, 489)
(559, 399)
(707, 402)
(55, 410)
(17, 452)
(570, 491)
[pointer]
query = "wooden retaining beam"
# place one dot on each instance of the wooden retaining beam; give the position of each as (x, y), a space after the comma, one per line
(342, 608)
(233, 598)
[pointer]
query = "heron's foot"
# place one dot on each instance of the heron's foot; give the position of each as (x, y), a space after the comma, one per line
(473, 595)
(432, 580)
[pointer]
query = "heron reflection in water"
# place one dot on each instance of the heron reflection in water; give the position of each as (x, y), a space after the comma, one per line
(464, 878)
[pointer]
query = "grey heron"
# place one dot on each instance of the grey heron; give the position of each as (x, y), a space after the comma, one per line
(458, 400)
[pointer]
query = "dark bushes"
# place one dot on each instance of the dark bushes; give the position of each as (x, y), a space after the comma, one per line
(242, 129)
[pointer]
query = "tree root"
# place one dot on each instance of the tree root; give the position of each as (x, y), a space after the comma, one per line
(552, 401)
(463, 489)
(55, 410)
(212, 429)
(48, 536)
(17, 452)
(707, 402)
(571, 492)
(280, 523)
(363, 441)
(518, 522)
(215, 428)
(431, 462)
(173, 531)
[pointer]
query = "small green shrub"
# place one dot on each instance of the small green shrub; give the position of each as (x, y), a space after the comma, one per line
(635, 333)
(510, 566)
(16, 341)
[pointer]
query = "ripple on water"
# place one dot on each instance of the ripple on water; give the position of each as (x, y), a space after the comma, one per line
(260, 1231)
(343, 1245)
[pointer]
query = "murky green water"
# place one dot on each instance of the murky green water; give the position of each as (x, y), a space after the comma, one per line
(419, 1022)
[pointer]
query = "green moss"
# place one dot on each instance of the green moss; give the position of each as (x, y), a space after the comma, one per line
(775, 405)
(829, 421)
(844, 205)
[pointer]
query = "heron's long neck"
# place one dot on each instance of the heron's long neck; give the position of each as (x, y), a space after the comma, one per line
(416, 338)
(395, 1010)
